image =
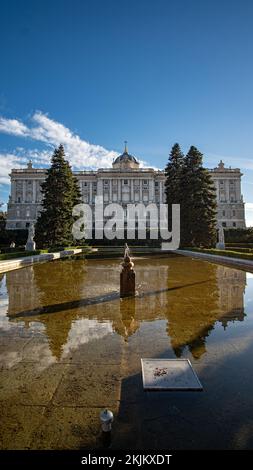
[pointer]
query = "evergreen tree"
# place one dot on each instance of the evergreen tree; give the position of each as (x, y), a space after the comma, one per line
(199, 208)
(60, 193)
(173, 182)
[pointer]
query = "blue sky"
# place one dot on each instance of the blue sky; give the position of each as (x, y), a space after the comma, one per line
(92, 73)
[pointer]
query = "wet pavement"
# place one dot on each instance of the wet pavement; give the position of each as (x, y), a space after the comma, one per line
(69, 346)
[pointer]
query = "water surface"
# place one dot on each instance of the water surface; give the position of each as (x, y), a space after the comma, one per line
(70, 346)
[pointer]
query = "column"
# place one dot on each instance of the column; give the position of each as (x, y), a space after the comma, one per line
(13, 191)
(161, 191)
(132, 190)
(90, 192)
(24, 191)
(227, 189)
(34, 191)
(238, 189)
(151, 190)
(140, 190)
(100, 187)
(110, 190)
(119, 190)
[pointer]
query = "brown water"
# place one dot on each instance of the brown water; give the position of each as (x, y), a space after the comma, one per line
(69, 347)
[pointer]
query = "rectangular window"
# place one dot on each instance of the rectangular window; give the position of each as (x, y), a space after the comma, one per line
(223, 213)
(224, 224)
(125, 181)
(234, 224)
(233, 213)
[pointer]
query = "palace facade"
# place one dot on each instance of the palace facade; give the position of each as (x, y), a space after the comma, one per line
(124, 183)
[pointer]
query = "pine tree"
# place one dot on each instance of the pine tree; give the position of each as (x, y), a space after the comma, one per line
(173, 182)
(60, 193)
(199, 209)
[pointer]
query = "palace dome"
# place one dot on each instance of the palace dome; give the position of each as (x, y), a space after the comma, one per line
(125, 159)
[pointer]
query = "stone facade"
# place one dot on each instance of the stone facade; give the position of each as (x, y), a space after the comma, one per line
(124, 183)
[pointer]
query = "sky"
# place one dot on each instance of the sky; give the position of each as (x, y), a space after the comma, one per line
(93, 73)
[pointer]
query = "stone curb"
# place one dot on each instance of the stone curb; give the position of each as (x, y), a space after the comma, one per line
(10, 265)
(236, 262)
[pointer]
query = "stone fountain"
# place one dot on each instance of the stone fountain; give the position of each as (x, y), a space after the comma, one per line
(127, 275)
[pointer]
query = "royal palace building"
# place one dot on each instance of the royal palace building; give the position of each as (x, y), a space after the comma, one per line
(126, 182)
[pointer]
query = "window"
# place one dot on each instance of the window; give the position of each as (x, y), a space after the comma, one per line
(28, 212)
(156, 183)
(233, 213)
(221, 182)
(234, 224)
(145, 181)
(125, 181)
(224, 224)
(27, 224)
(223, 213)
(85, 183)
(19, 199)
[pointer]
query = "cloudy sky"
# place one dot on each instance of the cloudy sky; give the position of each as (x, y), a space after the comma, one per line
(90, 74)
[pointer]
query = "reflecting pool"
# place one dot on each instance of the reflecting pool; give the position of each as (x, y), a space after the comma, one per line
(69, 346)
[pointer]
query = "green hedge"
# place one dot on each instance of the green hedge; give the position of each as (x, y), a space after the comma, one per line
(230, 254)
(21, 254)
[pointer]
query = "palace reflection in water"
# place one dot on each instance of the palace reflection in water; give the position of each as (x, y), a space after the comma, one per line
(70, 303)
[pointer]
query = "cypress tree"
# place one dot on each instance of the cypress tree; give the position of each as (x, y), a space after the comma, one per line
(60, 193)
(173, 182)
(199, 209)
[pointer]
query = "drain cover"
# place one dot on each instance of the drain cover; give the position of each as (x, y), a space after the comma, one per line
(169, 374)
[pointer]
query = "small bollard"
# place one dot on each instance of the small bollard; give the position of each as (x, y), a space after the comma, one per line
(106, 418)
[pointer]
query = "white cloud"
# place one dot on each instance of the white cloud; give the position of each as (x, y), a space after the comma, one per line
(80, 153)
(7, 162)
(13, 127)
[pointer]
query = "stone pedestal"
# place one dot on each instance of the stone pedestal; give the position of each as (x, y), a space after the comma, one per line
(127, 276)
(30, 246)
(220, 246)
(127, 283)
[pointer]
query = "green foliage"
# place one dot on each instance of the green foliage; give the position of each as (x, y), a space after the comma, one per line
(3, 232)
(190, 185)
(239, 235)
(228, 253)
(60, 193)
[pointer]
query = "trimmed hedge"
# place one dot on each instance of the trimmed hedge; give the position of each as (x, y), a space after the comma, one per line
(22, 254)
(228, 253)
